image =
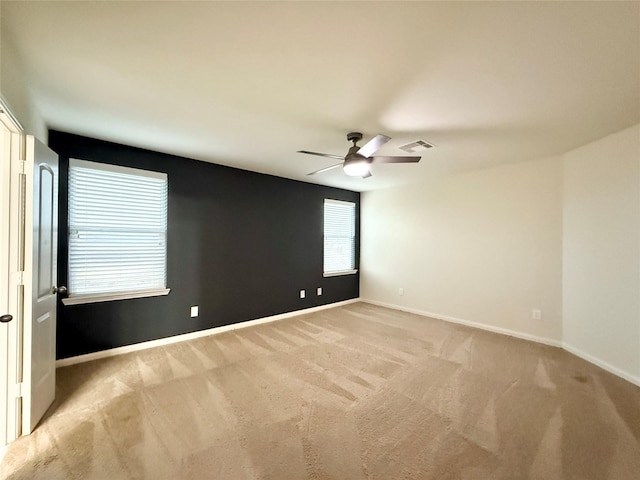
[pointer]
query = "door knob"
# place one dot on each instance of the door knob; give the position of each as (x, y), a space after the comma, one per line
(6, 318)
(60, 290)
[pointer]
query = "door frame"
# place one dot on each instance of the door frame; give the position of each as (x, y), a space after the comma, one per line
(12, 262)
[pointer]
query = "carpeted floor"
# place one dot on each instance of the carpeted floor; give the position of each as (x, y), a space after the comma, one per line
(357, 392)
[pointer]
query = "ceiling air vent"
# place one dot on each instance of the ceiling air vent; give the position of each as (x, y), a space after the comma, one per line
(416, 147)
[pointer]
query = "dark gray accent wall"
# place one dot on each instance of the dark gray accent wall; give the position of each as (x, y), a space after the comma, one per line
(240, 244)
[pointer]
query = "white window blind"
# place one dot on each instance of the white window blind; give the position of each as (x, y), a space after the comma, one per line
(117, 229)
(339, 237)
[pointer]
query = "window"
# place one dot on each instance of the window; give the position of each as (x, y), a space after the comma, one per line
(339, 237)
(117, 232)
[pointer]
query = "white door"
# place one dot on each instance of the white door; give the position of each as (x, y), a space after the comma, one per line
(41, 232)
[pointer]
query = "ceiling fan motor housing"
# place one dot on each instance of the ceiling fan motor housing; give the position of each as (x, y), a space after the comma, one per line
(354, 137)
(353, 154)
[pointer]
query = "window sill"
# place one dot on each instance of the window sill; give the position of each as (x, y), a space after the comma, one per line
(107, 297)
(341, 272)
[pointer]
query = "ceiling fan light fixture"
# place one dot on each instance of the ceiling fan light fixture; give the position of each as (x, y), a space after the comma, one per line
(356, 167)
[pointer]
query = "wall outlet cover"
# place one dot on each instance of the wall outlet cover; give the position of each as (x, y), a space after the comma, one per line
(194, 311)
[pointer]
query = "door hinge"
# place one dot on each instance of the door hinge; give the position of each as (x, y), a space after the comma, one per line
(19, 390)
(22, 163)
(20, 278)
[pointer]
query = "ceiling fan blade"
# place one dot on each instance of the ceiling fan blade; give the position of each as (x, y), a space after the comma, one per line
(373, 145)
(395, 159)
(325, 169)
(337, 157)
(367, 175)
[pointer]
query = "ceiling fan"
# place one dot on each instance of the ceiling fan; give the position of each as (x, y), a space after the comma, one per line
(356, 162)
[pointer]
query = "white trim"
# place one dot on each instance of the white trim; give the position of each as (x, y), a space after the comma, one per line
(96, 220)
(601, 363)
(107, 297)
(339, 272)
(226, 328)
(512, 333)
(339, 217)
(343, 203)
(502, 331)
(10, 356)
(7, 114)
(192, 335)
(108, 167)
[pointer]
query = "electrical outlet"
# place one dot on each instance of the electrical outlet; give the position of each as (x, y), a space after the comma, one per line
(536, 314)
(194, 311)
(302, 293)
(401, 291)
(319, 291)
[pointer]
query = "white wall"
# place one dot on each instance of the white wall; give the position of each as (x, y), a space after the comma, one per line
(561, 235)
(15, 91)
(484, 246)
(601, 254)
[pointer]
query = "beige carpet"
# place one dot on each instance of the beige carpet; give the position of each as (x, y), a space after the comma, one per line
(358, 392)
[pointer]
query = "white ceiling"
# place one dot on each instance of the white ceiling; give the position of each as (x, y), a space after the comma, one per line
(249, 84)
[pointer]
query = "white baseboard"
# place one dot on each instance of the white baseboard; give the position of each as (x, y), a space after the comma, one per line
(512, 333)
(64, 362)
(601, 363)
(212, 331)
(503, 331)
